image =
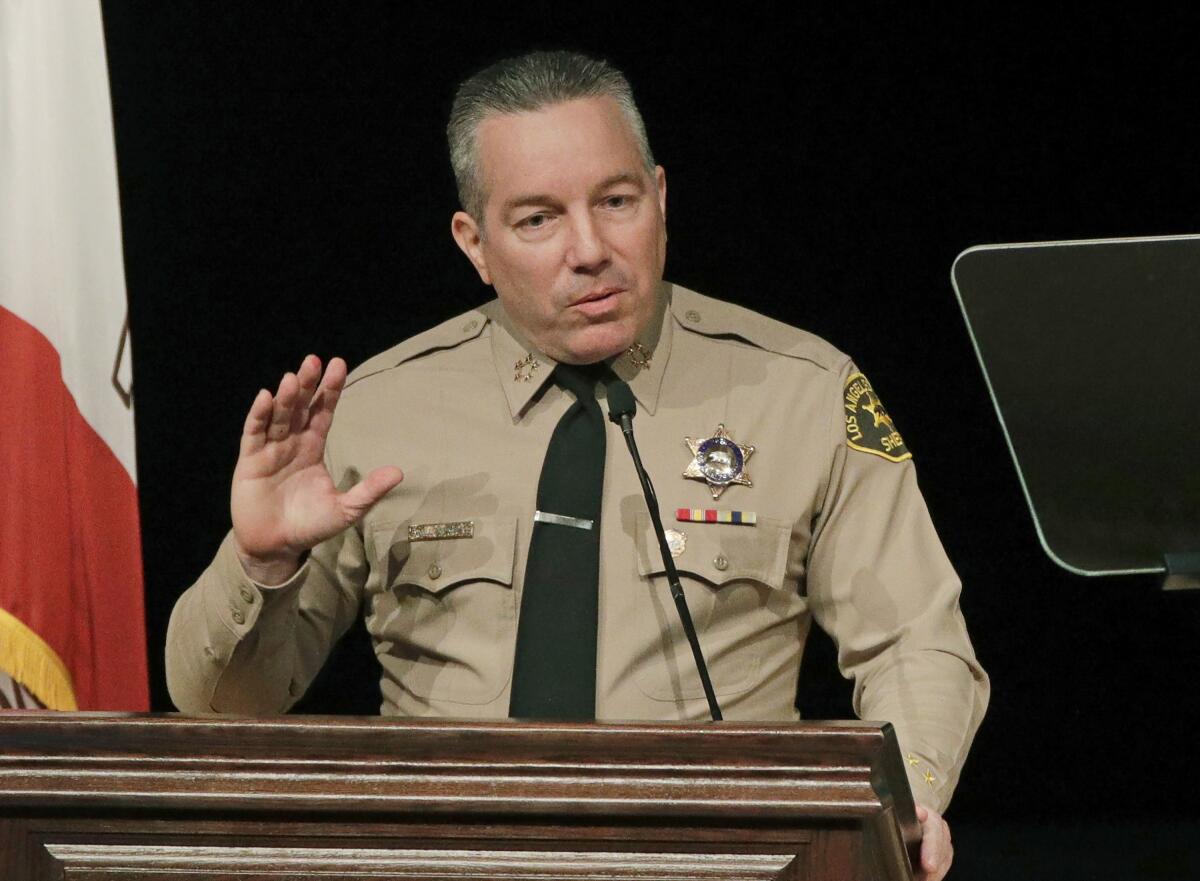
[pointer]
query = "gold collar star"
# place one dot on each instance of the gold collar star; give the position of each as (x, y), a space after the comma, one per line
(639, 356)
(524, 369)
(719, 461)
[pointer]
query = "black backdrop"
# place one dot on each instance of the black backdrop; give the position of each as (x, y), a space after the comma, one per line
(285, 188)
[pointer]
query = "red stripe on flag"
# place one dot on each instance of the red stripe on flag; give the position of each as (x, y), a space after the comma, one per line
(70, 549)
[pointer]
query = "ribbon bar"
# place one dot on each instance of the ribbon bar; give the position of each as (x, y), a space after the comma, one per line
(712, 515)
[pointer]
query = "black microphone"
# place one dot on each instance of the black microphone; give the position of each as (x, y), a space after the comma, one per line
(621, 409)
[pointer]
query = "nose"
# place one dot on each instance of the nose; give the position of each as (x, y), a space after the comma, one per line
(588, 249)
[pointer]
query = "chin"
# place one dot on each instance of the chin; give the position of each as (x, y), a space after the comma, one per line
(596, 344)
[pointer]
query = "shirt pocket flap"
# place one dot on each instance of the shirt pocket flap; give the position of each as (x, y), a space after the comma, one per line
(719, 553)
(440, 564)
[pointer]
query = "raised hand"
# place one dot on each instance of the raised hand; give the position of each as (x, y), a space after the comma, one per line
(283, 500)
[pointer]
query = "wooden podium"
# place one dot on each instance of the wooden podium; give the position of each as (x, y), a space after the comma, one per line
(88, 796)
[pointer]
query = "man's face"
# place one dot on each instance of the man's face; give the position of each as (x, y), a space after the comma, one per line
(574, 233)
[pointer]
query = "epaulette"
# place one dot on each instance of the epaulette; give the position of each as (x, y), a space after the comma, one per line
(447, 335)
(715, 318)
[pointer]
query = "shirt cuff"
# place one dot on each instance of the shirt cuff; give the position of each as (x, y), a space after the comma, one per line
(242, 600)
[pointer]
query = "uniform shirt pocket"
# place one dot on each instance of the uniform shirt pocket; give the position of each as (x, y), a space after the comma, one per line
(733, 578)
(444, 615)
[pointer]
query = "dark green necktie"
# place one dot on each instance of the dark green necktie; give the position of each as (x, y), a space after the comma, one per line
(554, 673)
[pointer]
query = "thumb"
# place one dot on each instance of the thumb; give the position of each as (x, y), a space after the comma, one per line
(361, 497)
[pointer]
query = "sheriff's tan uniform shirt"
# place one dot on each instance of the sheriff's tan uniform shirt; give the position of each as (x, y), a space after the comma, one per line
(841, 534)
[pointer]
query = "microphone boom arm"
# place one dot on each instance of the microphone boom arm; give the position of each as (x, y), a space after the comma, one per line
(685, 616)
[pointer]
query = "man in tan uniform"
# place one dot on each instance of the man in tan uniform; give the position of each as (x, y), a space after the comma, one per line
(816, 513)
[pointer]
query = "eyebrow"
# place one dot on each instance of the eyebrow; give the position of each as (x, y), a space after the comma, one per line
(624, 177)
(533, 199)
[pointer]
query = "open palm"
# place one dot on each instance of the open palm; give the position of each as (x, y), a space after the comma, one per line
(283, 500)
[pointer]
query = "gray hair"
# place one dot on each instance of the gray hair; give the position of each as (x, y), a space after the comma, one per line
(522, 85)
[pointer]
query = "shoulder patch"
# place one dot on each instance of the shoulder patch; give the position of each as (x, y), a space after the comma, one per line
(726, 321)
(869, 428)
(446, 335)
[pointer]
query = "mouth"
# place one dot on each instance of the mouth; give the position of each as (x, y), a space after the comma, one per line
(597, 296)
(600, 303)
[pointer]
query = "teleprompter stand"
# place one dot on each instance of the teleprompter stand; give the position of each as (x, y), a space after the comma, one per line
(90, 796)
(1089, 349)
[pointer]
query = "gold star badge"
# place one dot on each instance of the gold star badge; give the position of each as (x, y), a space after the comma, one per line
(719, 461)
(913, 760)
(929, 778)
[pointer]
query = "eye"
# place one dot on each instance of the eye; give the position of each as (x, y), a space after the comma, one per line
(537, 225)
(617, 201)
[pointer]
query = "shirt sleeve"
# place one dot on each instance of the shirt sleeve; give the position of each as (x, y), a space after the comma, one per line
(234, 646)
(880, 584)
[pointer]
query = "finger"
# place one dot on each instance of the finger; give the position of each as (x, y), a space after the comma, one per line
(936, 850)
(306, 377)
(324, 402)
(938, 872)
(361, 497)
(931, 855)
(254, 431)
(285, 402)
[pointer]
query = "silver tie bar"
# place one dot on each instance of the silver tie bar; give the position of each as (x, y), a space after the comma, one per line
(561, 520)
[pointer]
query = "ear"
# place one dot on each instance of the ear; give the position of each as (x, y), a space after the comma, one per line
(467, 235)
(660, 182)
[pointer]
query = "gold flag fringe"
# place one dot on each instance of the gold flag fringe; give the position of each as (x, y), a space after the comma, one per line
(27, 658)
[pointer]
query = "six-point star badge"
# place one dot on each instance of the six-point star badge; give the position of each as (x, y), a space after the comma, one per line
(719, 461)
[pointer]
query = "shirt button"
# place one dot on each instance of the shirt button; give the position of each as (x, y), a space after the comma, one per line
(238, 617)
(692, 315)
(435, 571)
(721, 562)
(247, 595)
(470, 326)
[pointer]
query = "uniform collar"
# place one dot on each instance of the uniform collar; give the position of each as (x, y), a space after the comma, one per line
(655, 341)
(523, 371)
